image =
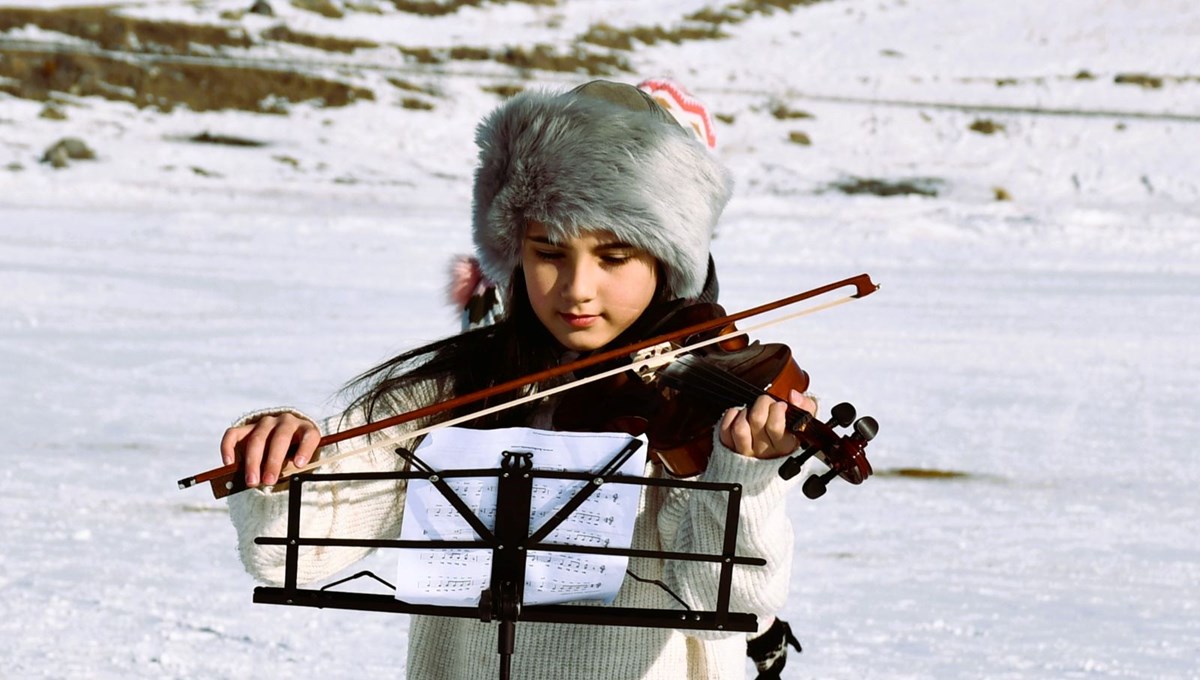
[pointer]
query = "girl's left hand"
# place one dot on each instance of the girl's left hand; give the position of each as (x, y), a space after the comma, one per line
(760, 430)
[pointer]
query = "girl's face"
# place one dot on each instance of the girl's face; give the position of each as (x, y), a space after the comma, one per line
(586, 290)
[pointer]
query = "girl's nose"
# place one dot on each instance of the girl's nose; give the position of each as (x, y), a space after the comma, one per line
(579, 281)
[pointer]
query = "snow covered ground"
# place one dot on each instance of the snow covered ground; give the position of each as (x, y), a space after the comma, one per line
(1039, 345)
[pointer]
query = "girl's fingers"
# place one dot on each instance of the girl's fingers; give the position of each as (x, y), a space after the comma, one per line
(759, 412)
(254, 449)
(230, 441)
(308, 444)
(264, 446)
(278, 446)
(782, 442)
(803, 401)
(736, 433)
(743, 434)
(726, 427)
(760, 430)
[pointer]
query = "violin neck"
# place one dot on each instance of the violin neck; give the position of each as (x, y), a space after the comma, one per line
(797, 418)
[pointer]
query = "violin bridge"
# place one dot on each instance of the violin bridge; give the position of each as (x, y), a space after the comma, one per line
(646, 362)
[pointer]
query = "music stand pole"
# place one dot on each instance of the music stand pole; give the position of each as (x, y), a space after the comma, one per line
(502, 601)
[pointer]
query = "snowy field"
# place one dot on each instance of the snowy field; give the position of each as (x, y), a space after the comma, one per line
(1039, 346)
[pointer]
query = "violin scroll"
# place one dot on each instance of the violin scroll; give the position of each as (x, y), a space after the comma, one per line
(844, 454)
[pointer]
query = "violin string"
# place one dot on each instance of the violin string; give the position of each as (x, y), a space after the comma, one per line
(716, 382)
(719, 385)
(748, 392)
(745, 390)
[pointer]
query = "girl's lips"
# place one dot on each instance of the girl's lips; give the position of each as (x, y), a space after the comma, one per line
(579, 320)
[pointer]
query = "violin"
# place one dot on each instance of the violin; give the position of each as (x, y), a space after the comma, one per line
(741, 377)
(677, 405)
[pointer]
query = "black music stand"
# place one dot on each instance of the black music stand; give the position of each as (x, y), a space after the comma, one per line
(510, 542)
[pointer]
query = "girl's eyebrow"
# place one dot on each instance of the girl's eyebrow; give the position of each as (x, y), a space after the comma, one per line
(611, 245)
(615, 245)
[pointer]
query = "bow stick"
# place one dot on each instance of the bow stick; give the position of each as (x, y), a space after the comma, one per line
(655, 353)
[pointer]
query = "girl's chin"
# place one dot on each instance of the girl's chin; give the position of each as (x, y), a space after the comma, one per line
(584, 340)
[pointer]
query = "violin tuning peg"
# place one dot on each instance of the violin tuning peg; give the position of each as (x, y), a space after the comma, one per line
(814, 487)
(841, 415)
(791, 467)
(866, 428)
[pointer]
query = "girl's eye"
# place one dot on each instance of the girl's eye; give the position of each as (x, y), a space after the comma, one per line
(615, 260)
(548, 254)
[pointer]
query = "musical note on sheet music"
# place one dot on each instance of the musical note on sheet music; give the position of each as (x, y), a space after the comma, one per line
(456, 577)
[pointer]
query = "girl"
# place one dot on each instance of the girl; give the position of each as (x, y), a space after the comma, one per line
(593, 212)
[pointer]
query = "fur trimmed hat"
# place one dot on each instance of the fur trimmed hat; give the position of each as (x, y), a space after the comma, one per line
(603, 156)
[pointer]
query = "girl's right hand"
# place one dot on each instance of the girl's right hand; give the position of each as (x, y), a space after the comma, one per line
(266, 445)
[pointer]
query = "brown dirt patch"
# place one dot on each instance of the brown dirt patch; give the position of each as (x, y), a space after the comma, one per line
(704, 24)
(1141, 79)
(325, 8)
(546, 58)
(784, 112)
(434, 8)
(737, 12)
(541, 57)
(798, 137)
(107, 29)
(918, 186)
(598, 52)
(504, 90)
(224, 140)
(415, 104)
(986, 126)
(164, 86)
(925, 473)
(605, 35)
(282, 33)
(407, 86)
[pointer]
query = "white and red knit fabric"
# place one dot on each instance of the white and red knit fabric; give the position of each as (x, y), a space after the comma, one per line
(686, 109)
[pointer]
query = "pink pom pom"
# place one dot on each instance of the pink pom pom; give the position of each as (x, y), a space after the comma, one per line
(686, 109)
(465, 278)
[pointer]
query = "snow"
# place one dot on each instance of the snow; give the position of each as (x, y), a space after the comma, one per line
(1040, 345)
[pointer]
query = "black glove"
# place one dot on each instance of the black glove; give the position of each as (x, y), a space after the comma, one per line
(769, 650)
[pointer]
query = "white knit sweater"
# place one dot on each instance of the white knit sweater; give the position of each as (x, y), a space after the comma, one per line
(443, 648)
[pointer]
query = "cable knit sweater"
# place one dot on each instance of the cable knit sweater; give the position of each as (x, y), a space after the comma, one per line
(443, 648)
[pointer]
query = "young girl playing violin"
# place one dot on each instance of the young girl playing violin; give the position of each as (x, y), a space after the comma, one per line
(593, 211)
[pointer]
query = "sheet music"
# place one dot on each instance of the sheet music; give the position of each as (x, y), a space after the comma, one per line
(457, 577)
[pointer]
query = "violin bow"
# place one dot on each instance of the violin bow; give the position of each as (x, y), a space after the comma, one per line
(226, 480)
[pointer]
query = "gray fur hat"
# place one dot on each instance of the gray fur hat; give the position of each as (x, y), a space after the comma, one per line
(604, 156)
